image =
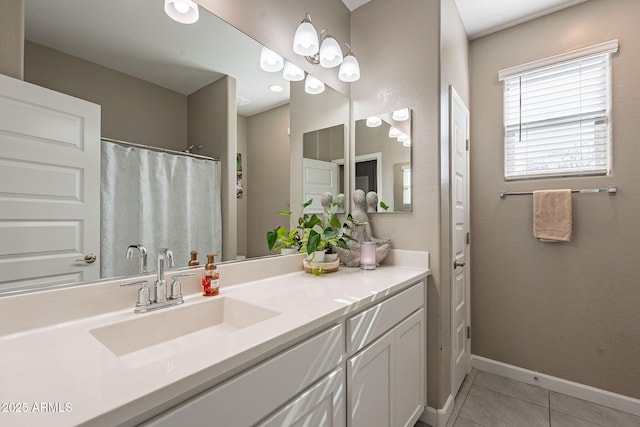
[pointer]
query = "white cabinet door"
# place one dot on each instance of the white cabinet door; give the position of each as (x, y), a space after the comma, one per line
(370, 385)
(322, 405)
(410, 364)
(49, 186)
(386, 382)
(319, 177)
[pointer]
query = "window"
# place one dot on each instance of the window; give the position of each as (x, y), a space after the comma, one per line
(556, 115)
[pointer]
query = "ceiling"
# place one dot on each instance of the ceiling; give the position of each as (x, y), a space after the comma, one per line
(482, 17)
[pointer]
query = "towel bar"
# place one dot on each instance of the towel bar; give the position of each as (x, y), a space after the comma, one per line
(611, 190)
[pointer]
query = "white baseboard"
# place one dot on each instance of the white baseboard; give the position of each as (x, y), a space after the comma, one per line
(570, 388)
(438, 417)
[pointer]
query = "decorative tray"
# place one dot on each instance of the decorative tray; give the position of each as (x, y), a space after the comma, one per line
(327, 267)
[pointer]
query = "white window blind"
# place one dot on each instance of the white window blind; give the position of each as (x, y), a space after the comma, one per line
(556, 118)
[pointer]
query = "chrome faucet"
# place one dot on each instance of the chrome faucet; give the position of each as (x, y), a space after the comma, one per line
(163, 295)
(143, 256)
(165, 259)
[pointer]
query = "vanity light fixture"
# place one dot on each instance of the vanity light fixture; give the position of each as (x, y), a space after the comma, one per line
(394, 132)
(400, 115)
(330, 52)
(373, 121)
(270, 61)
(183, 11)
(325, 51)
(305, 42)
(312, 85)
(350, 68)
(292, 72)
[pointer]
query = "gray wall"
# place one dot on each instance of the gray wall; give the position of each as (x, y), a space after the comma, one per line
(11, 38)
(570, 309)
(212, 122)
(267, 176)
(397, 45)
(132, 109)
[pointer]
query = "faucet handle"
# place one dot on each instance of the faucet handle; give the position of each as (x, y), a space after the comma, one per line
(175, 290)
(144, 298)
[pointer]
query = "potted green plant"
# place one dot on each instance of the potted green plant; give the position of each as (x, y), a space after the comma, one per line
(283, 240)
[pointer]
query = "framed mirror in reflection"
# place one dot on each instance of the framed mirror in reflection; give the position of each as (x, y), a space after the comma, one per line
(383, 160)
(173, 86)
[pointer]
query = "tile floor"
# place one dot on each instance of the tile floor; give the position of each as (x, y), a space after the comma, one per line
(489, 400)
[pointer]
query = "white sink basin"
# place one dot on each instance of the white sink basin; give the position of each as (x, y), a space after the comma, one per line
(220, 315)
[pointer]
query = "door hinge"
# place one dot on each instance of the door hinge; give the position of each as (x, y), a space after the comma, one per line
(468, 332)
(467, 144)
(468, 237)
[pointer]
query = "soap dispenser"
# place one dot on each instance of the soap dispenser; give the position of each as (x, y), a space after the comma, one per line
(211, 278)
(194, 259)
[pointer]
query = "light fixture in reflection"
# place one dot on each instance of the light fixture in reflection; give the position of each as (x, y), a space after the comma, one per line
(275, 88)
(400, 115)
(292, 72)
(403, 137)
(373, 121)
(242, 101)
(407, 143)
(312, 85)
(394, 132)
(182, 11)
(270, 61)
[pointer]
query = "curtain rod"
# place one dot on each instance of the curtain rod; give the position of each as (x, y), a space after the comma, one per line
(611, 190)
(159, 149)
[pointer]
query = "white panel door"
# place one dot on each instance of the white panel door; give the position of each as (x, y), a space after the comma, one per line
(49, 187)
(319, 177)
(460, 315)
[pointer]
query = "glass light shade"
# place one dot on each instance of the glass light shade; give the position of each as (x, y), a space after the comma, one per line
(368, 255)
(270, 61)
(407, 143)
(292, 72)
(330, 53)
(400, 115)
(312, 85)
(394, 132)
(403, 137)
(374, 121)
(305, 42)
(349, 69)
(183, 11)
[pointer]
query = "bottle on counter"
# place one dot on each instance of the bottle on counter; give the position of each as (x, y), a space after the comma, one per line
(211, 278)
(194, 259)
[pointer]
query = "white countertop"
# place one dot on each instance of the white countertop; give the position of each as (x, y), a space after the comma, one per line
(79, 380)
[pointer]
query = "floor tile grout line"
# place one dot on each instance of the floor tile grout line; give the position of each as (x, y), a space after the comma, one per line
(514, 397)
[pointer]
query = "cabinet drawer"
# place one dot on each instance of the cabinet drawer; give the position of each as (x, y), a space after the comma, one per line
(322, 405)
(365, 327)
(250, 396)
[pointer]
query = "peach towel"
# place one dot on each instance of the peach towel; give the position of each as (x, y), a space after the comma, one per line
(552, 215)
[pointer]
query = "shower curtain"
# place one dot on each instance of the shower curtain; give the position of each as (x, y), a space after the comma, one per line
(158, 200)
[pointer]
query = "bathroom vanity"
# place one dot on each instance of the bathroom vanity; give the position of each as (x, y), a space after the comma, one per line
(277, 347)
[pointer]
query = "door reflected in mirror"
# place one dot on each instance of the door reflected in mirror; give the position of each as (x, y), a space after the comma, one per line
(383, 160)
(323, 165)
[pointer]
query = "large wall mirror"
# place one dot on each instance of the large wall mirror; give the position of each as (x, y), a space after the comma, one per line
(383, 159)
(169, 70)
